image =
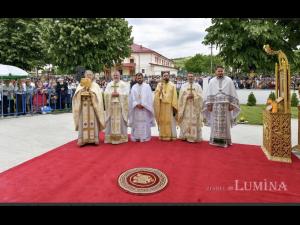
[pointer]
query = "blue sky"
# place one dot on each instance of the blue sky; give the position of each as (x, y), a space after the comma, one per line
(172, 37)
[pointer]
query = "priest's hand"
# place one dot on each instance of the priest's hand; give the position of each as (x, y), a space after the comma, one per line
(179, 118)
(209, 107)
(190, 96)
(139, 106)
(174, 111)
(230, 107)
(115, 94)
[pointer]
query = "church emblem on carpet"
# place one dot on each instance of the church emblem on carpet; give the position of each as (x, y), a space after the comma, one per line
(143, 181)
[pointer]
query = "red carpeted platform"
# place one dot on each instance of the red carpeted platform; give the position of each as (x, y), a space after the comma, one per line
(197, 173)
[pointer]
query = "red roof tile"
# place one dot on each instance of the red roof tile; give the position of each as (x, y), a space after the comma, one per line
(140, 49)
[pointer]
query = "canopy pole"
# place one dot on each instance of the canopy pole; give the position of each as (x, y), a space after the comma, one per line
(2, 100)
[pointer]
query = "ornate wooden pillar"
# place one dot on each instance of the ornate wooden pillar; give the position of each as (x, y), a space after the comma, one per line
(277, 122)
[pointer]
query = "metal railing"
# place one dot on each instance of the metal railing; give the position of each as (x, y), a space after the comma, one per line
(22, 103)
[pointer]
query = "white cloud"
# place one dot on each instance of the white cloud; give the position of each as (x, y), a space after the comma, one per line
(171, 37)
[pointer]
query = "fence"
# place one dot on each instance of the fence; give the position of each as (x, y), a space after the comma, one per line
(22, 103)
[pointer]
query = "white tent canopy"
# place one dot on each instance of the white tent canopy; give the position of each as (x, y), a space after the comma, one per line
(7, 70)
(10, 71)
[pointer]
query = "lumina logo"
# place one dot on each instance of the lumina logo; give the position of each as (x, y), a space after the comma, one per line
(264, 185)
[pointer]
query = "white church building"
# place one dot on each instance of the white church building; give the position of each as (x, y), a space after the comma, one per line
(146, 61)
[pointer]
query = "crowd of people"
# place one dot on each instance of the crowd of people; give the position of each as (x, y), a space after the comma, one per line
(246, 82)
(39, 94)
(32, 95)
(260, 82)
(254, 83)
(177, 80)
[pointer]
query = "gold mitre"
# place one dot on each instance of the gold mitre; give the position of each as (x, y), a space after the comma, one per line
(86, 82)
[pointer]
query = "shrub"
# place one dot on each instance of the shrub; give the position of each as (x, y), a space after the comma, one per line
(272, 96)
(251, 100)
(294, 100)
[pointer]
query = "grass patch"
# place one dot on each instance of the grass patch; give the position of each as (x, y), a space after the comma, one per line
(253, 114)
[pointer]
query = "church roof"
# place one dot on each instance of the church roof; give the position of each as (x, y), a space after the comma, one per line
(141, 49)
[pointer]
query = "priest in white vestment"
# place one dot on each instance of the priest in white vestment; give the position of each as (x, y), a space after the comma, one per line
(116, 109)
(190, 104)
(141, 113)
(221, 108)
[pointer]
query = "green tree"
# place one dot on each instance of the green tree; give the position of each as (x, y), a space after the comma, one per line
(241, 41)
(251, 100)
(89, 42)
(295, 65)
(294, 100)
(272, 96)
(292, 28)
(20, 43)
(180, 62)
(202, 63)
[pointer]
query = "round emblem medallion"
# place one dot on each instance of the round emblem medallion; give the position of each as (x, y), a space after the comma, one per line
(142, 181)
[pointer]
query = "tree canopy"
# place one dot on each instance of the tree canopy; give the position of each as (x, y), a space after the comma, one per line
(202, 63)
(241, 41)
(20, 43)
(89, 42)
(64, 42)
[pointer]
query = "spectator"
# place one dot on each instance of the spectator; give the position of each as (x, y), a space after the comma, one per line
(61, 92)
(200, 82)
(52, 94)
(8, 102)
(133, 80)
(20, 95)
(29, 93)
(39, 98)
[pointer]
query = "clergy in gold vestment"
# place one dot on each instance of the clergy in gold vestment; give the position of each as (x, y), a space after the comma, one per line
(116, 109)
(88, 110)
(165, 108)
(189, 110)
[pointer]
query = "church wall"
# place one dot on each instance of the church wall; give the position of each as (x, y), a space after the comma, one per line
(143, 60)
(158, 69)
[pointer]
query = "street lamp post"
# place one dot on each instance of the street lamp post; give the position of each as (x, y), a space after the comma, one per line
(296, 148)
(211, 47)
(2, 86)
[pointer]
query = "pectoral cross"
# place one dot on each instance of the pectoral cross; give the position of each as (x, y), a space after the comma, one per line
(163, 87)
(115, 86)
(191, 89)
(140, 93)
(162, 90)
(114, 98)
(191, 92)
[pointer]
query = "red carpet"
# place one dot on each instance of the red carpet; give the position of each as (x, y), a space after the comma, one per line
(197, 173)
